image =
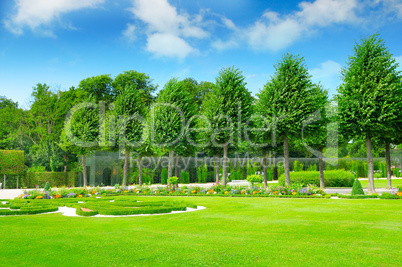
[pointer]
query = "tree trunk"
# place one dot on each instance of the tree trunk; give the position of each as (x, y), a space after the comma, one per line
(371, 189)
(84, 170)
(217, 169)
(140, 170)
(176, 168)
(321, 168)
(65, 162)
(224, 163)
(18, 177)
(286, 155)
(4, 182)
(170, 166)
(125, 170)
(264, 169)
(388, 160)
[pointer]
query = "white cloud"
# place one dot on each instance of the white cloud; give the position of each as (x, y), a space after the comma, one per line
(167, 44)
(167, 29)
(129, 33)
(39, 15)
(328, 73)
(274, 31)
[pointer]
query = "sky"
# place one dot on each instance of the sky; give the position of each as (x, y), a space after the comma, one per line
(61, 42)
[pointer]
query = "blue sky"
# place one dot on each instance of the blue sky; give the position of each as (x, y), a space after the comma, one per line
(61, 42)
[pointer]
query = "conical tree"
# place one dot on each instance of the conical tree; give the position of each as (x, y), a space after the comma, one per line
(287, 98)
(227, 110)
(174, 106)
(130, 111)
(370, 95)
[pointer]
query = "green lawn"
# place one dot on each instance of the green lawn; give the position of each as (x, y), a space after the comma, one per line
(231, 231)
(382, 183)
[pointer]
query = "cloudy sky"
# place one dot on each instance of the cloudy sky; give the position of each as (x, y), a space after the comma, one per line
(60, 42)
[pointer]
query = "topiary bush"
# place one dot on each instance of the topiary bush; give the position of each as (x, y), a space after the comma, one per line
(164, 176)
(357, 188)
(254, 178)
(184, 177)
(334, 178)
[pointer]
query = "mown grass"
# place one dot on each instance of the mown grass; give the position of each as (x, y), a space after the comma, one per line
(382, 183)
(230, 232)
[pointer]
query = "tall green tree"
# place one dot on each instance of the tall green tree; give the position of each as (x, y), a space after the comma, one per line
(137, 80)
(99, 87)
(131, 112)
(227, 111)
(174, 106)
(287, 99)
(316, 127)
(369, 97)
(81, 131)
(10, 123)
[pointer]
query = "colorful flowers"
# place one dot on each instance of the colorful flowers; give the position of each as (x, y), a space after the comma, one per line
(38, 197)
(399, 194)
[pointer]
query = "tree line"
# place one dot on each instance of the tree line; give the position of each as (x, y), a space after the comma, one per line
(290, 115)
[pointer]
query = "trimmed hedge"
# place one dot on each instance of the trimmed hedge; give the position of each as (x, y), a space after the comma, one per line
(335, 178)
(56, 179)
(28, 210)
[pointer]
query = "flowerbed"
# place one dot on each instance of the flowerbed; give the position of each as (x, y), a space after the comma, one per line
(215, 190)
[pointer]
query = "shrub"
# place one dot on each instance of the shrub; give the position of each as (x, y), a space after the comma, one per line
(164, 176)
(199, 174)
(184, 177)
(174, 180)
(335, 178)
(298, 166)
(357, 188)
(204, 173)
(47, 186)
(254, 178)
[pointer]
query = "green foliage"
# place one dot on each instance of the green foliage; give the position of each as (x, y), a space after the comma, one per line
(164, 176)
(369, 96)
(199, 174)
(173, 107)
(227, 103)
(287, 98)
(184, 177)
(204, 173)
(254, 178)
(298, 166)
(99, 87)
(312, 167)
(57, 179)
(357, 188)
(12, 162)
(174, 180)
(47, 186)
(138, 81)
(335, 178)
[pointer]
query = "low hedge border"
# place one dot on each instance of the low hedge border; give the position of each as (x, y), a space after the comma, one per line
(28, 211)
(358, 196)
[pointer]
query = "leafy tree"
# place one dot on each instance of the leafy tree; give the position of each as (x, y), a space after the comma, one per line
(287, 99)
(227, 109)
(138, 81)
(316, 127)
(131, 112)
(370, 95)
(99, 87)
(173, 108)
(81, 131)
(10, 122)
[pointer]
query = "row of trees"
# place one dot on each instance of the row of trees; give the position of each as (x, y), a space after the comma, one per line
(290, 113)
